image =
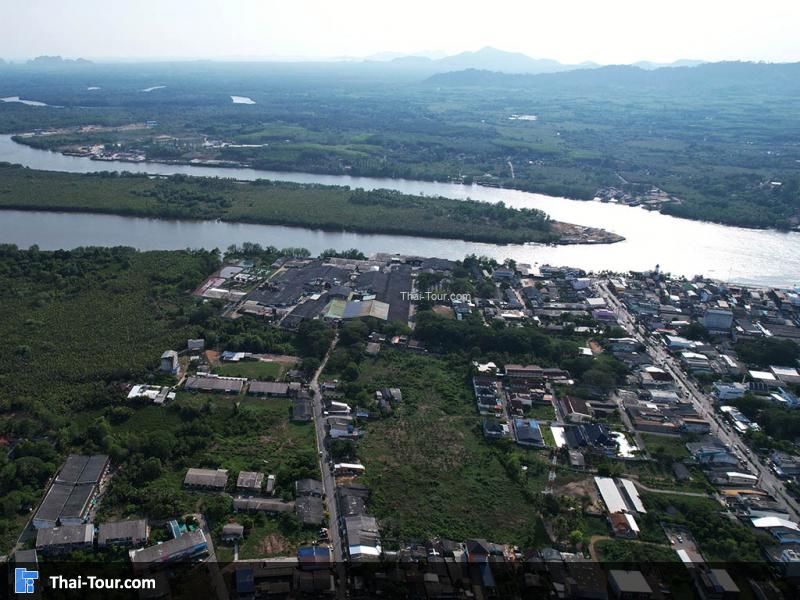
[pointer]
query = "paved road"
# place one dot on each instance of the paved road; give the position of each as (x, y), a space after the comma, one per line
(703, 403)
(328, 480)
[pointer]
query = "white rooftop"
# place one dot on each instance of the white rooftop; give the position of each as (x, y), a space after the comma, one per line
(610, 493)
(770, 522)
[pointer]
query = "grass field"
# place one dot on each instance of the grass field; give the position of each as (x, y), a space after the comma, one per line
(541, 412)
(273, 538)
(665, 447)
(429, 469)
(264, 371)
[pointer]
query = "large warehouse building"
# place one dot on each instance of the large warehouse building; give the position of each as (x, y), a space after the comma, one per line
(70, 496)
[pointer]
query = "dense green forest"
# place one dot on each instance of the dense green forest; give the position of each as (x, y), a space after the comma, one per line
(721, 137)
(274, 203)
(74, 325)
(78, 325)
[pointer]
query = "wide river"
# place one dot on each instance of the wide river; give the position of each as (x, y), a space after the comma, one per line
(762, 257)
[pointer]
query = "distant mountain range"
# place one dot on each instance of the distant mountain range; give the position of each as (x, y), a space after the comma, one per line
(777, 78)
(492, 59)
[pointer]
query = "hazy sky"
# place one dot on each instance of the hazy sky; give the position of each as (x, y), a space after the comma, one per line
(605, 31)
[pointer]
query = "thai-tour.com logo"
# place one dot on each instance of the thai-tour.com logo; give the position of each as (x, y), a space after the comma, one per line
(24, 580)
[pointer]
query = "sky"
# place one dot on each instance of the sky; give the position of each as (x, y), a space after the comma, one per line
(571, 31)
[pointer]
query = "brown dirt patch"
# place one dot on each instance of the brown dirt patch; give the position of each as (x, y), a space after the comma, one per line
(576, 489)
(272, 544)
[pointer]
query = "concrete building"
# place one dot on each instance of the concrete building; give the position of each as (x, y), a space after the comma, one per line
(214, 383)
(56, 540)
(208, 479)
(308, 487)
(718, 319)
(250, 481)
(191, 544)
(123, 533)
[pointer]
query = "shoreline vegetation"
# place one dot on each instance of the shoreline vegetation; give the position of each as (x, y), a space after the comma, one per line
(263, 202)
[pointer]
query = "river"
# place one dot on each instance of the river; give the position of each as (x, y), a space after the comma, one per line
(680, 246)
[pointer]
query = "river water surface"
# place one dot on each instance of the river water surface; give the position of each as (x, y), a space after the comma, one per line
(680, 246)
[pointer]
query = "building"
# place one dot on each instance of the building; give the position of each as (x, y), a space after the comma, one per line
(232, 532)
(268, 505)
(786, 374)
(249, 481)
(191, 544)
(629, 585)
(718, 319)
(310, 510)
(301, 410)
(314, 557)
(783, 530)
(268, 388)
(123, 533)
(495, 429)
(611, 495)
(696, 425)
(214, 383)
(363, 538)
(530, 372)
(27, 558)
(56, 540)
(623, 525)
(785, 465)
(207, 479)
(169, 362)
(69, 498)
(308, 487)
(196, 345)
(528, 433)
(576, 409)
(786, 557)
(714, 584)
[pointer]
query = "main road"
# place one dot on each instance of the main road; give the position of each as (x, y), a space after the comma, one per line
(328, 480)
(703, 403)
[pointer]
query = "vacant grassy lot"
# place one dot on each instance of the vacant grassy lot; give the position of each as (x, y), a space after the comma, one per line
(429, 468)
(665, 447)
(275, 537)
(265, 371)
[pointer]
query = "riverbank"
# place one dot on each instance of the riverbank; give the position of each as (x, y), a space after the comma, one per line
(325, 208)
